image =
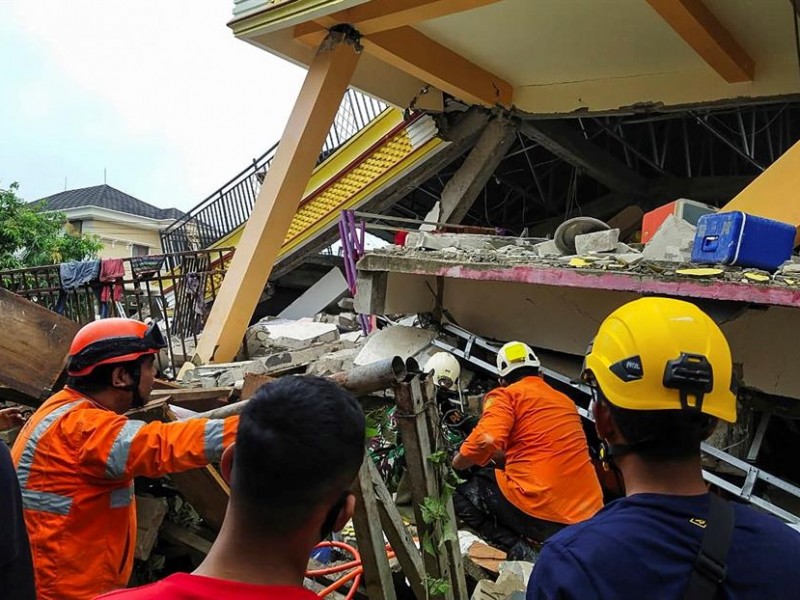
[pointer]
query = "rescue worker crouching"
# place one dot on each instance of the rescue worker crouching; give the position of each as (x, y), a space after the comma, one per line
(77, 456)
(545, 479)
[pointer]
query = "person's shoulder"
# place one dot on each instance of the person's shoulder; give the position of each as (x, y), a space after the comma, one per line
(767, 527)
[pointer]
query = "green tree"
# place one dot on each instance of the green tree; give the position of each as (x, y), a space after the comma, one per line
(30, 238)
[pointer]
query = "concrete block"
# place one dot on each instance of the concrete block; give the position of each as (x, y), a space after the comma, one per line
(347, 304)
(352, 339)
(286, 360)
(546, 249)
(150, 513)
(629, 258)
(234, 373)
(597, 241)
(267, 336)
(335, 362)
(399, 340)
(672, 242)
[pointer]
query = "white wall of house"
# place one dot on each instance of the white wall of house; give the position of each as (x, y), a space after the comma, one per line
(122, 240)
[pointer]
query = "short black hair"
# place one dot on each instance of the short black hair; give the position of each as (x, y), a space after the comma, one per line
(520, 373)
(301, 440)
(662, 435)
(100, 377)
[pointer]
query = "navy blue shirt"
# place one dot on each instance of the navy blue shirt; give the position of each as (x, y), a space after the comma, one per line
(643, 548)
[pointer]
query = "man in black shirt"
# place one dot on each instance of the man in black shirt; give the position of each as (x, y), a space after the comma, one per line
(16, 566)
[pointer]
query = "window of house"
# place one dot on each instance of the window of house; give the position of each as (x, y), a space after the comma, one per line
(75, 227)
(139, 250)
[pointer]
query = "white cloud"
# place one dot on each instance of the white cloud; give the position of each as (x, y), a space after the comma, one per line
(173, 76)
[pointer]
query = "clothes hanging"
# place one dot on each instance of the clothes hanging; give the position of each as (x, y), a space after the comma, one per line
(112, 271)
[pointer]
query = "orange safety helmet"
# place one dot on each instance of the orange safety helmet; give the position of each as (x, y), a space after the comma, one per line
(112, 341)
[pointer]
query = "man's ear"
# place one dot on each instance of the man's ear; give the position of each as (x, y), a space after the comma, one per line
(121, 378)
(603, 421)
(226, 463)
(346, 512)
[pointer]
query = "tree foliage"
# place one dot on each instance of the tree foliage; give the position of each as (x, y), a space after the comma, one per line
(31, 238)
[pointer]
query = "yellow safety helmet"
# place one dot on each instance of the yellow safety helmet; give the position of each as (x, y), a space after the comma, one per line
(661, 354)
(514, 355)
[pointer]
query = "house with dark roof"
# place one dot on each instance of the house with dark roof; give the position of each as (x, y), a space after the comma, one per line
(125, 225)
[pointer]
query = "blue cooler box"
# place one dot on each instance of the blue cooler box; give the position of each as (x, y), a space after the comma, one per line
(736, 238)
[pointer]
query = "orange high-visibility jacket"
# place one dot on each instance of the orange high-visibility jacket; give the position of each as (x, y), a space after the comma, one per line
(76, 462)
(548, 473)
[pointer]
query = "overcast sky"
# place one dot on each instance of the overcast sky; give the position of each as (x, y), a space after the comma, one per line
(158, 93)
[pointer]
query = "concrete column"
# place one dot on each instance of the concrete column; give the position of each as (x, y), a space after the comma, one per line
(463, 188)
(322, 92)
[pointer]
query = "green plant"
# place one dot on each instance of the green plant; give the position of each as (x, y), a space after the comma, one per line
(30, 237)
(437, 518)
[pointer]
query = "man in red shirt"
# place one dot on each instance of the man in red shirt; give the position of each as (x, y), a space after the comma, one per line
(298, 449)
(544, 478)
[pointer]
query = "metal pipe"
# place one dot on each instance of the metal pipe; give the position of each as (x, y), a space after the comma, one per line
(359, 381)
(373, 377)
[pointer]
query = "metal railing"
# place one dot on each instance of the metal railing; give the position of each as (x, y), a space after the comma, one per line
(230, 206)
(174, 290)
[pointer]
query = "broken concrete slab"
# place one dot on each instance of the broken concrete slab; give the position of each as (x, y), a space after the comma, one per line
(399, 340)
(319, 296)
(597, 242)
(629, 258)
(267, 336)
(672, 242)
(548, 248)
(150, 513)
(335, 362)
(223, 374)
(289, 360)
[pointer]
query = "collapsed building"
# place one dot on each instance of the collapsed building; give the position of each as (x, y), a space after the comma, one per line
(483, 129)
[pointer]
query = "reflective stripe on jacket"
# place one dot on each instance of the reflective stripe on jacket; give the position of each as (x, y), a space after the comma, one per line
(548, 473)
(76, 462)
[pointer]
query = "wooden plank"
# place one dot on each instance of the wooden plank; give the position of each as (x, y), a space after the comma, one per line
(703, 31)
(413, 419)
(196, 399)
(253, 381)
(452, 549)
(367, 523)
(402, 543)
(34, 345)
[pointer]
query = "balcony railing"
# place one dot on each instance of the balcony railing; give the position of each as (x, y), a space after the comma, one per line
(230, 206)
(174, 290)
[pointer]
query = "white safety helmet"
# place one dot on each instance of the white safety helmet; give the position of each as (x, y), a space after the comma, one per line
(514, 355)
(445, 368)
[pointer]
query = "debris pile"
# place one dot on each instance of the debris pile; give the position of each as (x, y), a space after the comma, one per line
(587, 243)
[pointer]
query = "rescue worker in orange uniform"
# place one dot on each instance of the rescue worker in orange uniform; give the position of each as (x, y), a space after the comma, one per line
(77, 456)
(544, 478)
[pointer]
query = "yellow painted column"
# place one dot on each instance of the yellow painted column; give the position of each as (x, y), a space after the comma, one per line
(775, 194)
(277, 202)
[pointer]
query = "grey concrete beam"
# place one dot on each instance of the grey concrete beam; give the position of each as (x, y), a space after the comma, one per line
(464, 186)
